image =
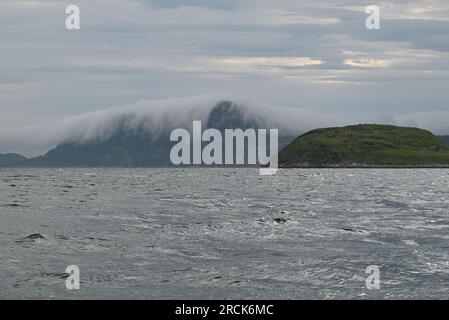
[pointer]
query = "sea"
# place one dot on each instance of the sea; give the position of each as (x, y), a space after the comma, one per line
(224, 233)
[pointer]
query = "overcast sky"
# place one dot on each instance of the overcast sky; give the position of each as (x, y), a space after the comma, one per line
(308, 54)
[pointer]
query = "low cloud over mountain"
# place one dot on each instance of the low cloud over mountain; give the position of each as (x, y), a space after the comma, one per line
(158, 116)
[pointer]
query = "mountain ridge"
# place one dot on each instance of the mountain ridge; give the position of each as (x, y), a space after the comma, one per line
(139, 147)
(9, 159)
(136, 138)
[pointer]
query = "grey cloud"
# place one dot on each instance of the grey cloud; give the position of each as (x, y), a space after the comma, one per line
(214, 4)
(167, 114)
(135, 50)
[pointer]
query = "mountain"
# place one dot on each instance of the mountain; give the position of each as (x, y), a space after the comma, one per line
(11, 159)
(137, 146)
(365, 145)
(445, 140)
(139, 135)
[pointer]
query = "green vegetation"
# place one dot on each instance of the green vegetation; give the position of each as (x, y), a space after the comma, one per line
(366, 145)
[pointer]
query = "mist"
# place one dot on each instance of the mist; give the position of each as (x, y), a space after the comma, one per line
(156, 116)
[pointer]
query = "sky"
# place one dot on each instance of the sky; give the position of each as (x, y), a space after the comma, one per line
(315, 55)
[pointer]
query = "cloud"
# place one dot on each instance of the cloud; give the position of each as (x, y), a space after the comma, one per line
(273, 61)
(157, 116)
(214, 4)
(367, 63)
(291, 53)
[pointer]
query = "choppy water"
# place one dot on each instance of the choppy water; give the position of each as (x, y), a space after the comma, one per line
(224, 233)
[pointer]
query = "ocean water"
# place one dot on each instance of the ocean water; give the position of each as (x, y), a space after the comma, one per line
(224, 233)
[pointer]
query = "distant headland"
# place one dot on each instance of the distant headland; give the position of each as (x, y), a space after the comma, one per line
(132, 139)
(366, 145)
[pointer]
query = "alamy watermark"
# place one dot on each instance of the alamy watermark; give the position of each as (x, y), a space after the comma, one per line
(72, 282)
(73, 21)
(192, 150)
(373, 280)
(372, 22)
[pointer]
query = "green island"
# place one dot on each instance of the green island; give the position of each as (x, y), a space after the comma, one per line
(366, 145)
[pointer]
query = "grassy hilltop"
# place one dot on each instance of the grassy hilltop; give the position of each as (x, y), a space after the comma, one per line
(366, 145)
